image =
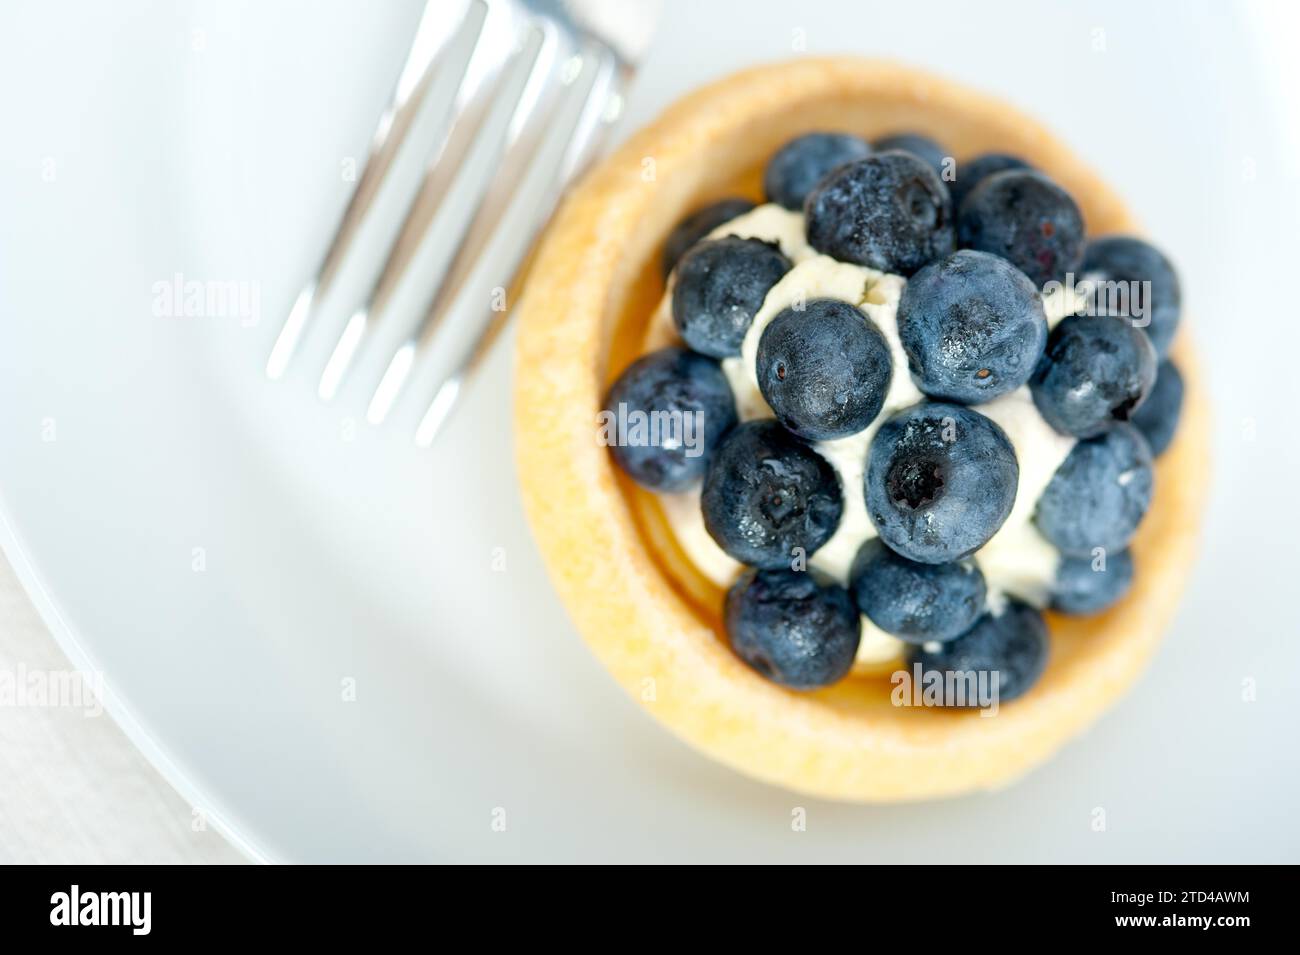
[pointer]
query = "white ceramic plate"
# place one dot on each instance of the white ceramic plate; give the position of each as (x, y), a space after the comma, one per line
(229, 551)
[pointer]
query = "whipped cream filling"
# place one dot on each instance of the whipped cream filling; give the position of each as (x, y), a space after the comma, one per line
(1017, 560)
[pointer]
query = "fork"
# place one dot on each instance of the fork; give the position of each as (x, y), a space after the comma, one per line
(524, 92)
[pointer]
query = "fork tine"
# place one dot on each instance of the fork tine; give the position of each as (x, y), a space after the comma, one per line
(475, 228)
(450, 196)
(573, 142)
(432, 47)
(502, 193)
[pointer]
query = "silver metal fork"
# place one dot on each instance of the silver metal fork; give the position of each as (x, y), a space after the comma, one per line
(524, 91)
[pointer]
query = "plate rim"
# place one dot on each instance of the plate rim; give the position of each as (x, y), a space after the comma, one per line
(33, 584)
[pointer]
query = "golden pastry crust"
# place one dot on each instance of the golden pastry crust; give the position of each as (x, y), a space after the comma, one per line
(647, 614)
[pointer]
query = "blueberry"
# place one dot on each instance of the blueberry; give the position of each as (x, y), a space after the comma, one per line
(793, 628)
(802, 162)
(971, 172)
(973, 327)
(699, 224)
(890, 212)
(1157, 418)
(1094, 372)
(1011, 648)
(675, 408)
(1027, 219)
(915, 602)
(824, 369)
(1082, 588)
(1099, 494)
(922, 147)
(721, 284)
(1127, 260)
(767, 493)
(940, 481)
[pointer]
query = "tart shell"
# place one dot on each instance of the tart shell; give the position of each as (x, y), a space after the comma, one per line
(649, 616)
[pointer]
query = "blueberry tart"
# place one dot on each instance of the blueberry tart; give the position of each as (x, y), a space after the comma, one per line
(869, 456)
